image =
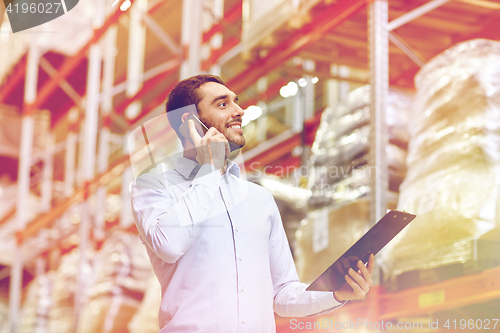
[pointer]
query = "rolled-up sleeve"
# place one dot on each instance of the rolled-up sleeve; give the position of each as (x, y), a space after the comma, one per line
(291, 299)
(167, 225)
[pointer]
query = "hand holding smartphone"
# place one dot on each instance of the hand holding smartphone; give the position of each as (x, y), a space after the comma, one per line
(211, 145)
(200, 127)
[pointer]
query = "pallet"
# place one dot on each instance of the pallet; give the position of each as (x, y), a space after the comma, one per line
(485, 257)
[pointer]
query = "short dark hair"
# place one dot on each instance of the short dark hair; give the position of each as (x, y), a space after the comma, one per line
(183, 94)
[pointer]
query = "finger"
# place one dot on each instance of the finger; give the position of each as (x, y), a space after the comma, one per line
(228, 149)
(365, 256)
(366, 274)
(371, 263)
(212, 131)
(355, 287)
(352, 261)
(195, 136)
(359, 280)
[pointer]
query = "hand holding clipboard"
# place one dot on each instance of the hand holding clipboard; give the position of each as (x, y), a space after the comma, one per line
(361, 253)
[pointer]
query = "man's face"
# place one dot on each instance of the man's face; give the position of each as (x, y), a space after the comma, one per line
(218, 109)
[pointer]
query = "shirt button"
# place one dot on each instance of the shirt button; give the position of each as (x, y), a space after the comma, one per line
(241, 259)
(205, 207)
(216, 182)
(236, 229)
(243, 321)
(229, 204)
(242, 289)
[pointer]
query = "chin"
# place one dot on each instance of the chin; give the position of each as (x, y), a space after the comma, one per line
(236, 144)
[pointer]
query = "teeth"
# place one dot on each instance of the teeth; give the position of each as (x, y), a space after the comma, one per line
(235, 126)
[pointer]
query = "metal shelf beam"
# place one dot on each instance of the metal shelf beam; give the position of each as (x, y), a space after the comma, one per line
(329, 18)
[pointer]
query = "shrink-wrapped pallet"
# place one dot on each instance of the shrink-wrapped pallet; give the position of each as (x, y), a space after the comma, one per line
(453, 160)
(340, 171)
(122, 271)
(340, 178)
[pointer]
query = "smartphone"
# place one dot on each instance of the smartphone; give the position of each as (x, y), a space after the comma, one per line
(200, 127)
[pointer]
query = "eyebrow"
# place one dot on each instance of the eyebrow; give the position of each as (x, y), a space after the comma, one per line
(221, 97)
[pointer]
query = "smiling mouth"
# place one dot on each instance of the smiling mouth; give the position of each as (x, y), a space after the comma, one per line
(237, 126)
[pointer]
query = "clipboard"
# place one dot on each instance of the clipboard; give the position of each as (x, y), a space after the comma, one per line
(372, 242)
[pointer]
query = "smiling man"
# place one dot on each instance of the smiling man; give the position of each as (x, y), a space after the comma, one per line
(216, 241)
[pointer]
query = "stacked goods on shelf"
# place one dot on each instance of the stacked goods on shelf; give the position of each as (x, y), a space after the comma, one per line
(264, 18)
(36, 306)
(339, 170)
(339, 180)
(122, 271)
(61, 314)
(453, 169)
(146, 318)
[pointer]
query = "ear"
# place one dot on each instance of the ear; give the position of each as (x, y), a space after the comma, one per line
(184, 116)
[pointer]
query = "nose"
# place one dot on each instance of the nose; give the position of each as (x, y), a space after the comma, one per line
(238, 111)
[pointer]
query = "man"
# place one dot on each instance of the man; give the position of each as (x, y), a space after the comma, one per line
(216, 241)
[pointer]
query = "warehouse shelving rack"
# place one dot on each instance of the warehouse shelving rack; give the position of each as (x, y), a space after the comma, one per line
(383, 306)
(186, 61)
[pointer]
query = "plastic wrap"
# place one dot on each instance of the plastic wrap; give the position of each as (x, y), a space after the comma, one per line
(340, 170)
(453, 160)
(123, 269)
(354, 113)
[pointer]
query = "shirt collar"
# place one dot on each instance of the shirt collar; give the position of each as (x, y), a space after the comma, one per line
(185, 167)
(233, 168)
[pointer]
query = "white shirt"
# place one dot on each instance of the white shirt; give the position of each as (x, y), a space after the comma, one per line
(219, 250)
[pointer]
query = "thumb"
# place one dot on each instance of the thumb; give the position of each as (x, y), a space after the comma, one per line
(193, 132)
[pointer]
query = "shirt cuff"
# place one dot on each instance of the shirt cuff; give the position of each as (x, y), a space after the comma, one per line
(327, 301)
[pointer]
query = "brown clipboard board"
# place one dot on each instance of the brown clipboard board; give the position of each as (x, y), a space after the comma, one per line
(372, 242)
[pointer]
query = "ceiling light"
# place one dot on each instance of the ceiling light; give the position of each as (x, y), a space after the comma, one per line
(284, 92)
(125, 5)
(314, 80)
(293, 88)
(302, 82)
(251, 113)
